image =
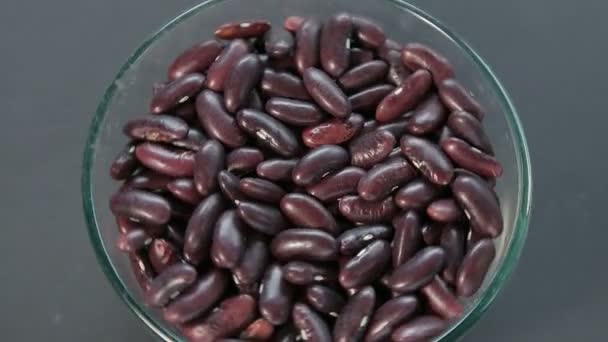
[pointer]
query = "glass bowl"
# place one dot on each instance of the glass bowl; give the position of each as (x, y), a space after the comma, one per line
(129, 93)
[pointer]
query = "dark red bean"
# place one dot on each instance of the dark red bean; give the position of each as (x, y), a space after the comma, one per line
(209, 161)
(405, 97)
(326, 93)
(241, 80)
(360, 56)
(380, 181)
(428, 117)
(470, 158)
(276, 169)
(334, 52)
(472, 238)
(371, 148)
(334, 186)
(385, 49)
(367, 266)
(229, 184)
(124, 164)
(283, 84)
(170, 162)
(417, 56)
(397, 72)
(431, 233)
(466, 126)
(242, 29)
(397, 128)
(228, 243)
(269, 132)
(196, 59)
(442, 300)
(367, 99)
(276, 296)
(358, 210)
(355, 316)
(318, 162)
(126, 225)
(325, 299)
(445, 210)
(176, 92)
(408, 237)
(474, 267)
(263, 218)
(185, 111)
(480, 204)
(134, 240)
(282, 64)
(142, 270)
(294, 112)
(185, 190)
(162, 254)
(199, 231)
(418, 271)
(255, 101)
(303, 273)
(364, 75)
(259, 330)
(422, 328)
(244, 159)
(143, 206)
(167, 285)
(192, 141)
(261, 190)
(253, 263)
(157, 128)
(292, 23)
(307, 44)
(428, 159)
(453, 243)
(445, 133)
(307, 212)
(305, 245)
(198, 299)
(390, 315)
(311, 326)
(216, 121)
(333, 132)
(458, 99)
(278, 42)
(416, 194)
(221, 67)
(369, 33)
(354, 240)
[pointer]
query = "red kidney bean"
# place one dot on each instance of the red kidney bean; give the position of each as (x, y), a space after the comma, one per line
(367, 266)
(333, 132)
(241, 80)
(242, 29)
(334, 186)
(283, 64)
(294, 112)
(405, 97)
(311, 326)
(170, 283)
(397, 72)
(198, 58)
(428, 158)
(470, 158)
(228, 243)
(388, 316)
(326, 93)
(124, 164)
(268, 131)
(358, 210)
(364, 75)
(480, 204)
(253, 263)
(325, 299)
(259, 330)
(385, 49)
(318, 162)
(278, 43)
(143, 206)
(428, 117)
(177, 92)
(422, 328)
(216, 121)
(229, 185)
(371, 148)
(307, 212)
(185, 190)
(307, 44)
(244, 159)
(282, 84)
(472, 238)
(445, 210)
(474, 267)
(452, 241)
(199, 231)
(418, 271)
(170, 162)
(354, 240)
(458, 99)
(305, 245)
(276, 296)
(156, 128)
(431, 233)
(466, 127)
(417, 56)
(334, 52)
(276, 169)
(133, 240)
(441, 300)
(367, 99)
(303, 273)
(198, 299)
(416, 194)
(380, 181)
(142, 270)
(408, 237)
(369, 33)
(148, 180)
(185, 111)
(230, 317)
(261, 190)
(263, 218)
(254, 101)
(292, 23)
(359, 56)
(355, 316)
(208, 162)
(162, 254)
(224, 63)
(192, 141)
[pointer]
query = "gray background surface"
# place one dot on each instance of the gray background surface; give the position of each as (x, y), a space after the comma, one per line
(57, 57)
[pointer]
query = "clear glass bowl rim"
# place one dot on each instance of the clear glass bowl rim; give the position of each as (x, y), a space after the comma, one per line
(513, 250)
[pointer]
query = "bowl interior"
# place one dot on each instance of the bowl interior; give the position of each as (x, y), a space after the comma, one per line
(130, 92)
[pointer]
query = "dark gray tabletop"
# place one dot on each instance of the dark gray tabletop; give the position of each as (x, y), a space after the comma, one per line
(57, 57)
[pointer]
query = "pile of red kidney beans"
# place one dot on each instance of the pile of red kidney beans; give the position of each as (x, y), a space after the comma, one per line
(315, 181)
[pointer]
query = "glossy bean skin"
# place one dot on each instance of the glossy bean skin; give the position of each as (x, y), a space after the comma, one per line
(470, 158)
(326, 93)
(219, 70)
(195, 59)
(244, 159)
(468, 128)
(334, 186)
(445, 210)
(242, 29)
(260, 329)
(431, 233)
(397, 128)
(417, 56)
(355, 316)
(474, 267)
(216, 121)
(405, 97)
(397, 72)
(333, 132)
(390, 315)
(367, 266)
(354, 240)
(380, 181)
(162, 254)
(142, 270)
(308, 38)
(292, 23)
(192, 141)
(317, 162)
(364, 75)
(325, 299)
(269, 132)
(276, 169)
(480, 204)
(134, 240)
(278, 42)
(428, 117)
(261, 217)
(368, 32)
(172, 281)
(307, 212)
(185, 190)
(304, 245)
(276, 296)
(358, 210)
(422, 328)
(241, 80)
(452, 241)
(408, 237)
(371, 148)
(389, 45)
(304, 273)
(228, 244)
(310, 325)
(229, 185)
(124, 164)
(156, 128)
(253, 263)
(418, 271)
(176, 92)
(261, 190)
(170, 162)
(416, 194)
(366, 100)
(359, 56)
(208, 162)
(143, 206)
(199, 231)
(441, 300)
(148, 180)
(283, 84)
(334, 53)
(294, 112)
(198, 299)
(428, 158)
(457, 98)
